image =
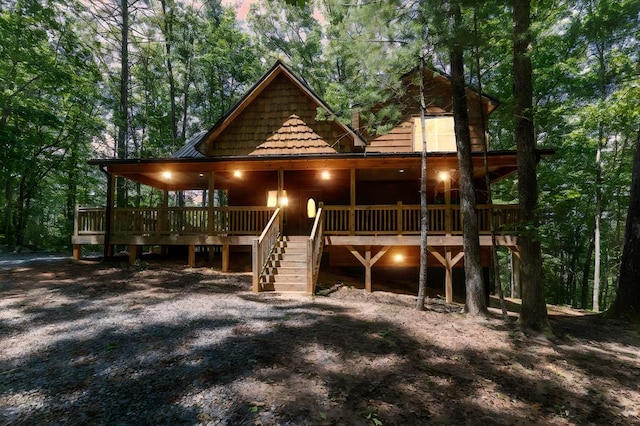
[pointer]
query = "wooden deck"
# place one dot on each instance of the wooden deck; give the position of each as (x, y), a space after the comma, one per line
(367, 232)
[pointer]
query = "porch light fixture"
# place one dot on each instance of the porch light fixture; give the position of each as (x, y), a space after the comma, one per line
(237, 173)
(284, 200)
(273, 200)
(398, 258)
(326, 175)
(443, 176)
(166, 175)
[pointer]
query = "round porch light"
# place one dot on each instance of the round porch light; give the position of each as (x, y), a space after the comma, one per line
(399, 258)
(443, 176)
(237, 173)
(326, 175)
(166, 175)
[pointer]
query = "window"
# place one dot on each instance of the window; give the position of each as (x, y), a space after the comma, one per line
(440, 134)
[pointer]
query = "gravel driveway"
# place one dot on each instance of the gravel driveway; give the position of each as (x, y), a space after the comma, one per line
(113, 344)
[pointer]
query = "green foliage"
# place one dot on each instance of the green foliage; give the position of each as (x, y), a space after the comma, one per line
(48, 101)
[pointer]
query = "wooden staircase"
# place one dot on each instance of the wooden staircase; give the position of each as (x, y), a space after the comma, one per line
(286, 269)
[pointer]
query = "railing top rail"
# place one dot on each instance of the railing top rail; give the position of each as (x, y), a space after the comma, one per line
(274, 217)
(316, 224)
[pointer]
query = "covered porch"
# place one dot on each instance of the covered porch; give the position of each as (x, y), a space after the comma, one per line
(365, 204)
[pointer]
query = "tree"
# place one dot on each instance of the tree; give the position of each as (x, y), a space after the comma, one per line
(533, 313)
(627, 302)
(475, 295)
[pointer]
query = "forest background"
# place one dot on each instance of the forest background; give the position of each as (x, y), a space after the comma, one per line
(137, 78)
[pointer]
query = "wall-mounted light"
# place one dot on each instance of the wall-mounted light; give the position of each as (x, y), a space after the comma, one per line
(166, 175)
(325, 175)
(284, 200)
(398, 258)
(443, 176)
(237, 173)
(273, 201)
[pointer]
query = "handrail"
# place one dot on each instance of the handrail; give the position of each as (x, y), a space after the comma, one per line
(315, 245)
(263, 247)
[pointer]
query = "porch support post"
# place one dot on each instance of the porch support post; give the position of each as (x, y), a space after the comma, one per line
(352, 201)
(211, 206)
(134, 253)
(255, 266)
(108, 215)
(77, 248)
(367, 261)
(164, 219)
(448, 261)
(280, 195)
(192, 256)
(225, 257)
(448, 226)
(514, 257)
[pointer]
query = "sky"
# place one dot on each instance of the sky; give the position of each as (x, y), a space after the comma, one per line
(241, 6)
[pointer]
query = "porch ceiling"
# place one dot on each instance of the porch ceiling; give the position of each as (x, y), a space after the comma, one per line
(184, 174)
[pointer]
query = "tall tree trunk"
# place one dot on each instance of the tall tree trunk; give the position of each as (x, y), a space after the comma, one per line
(167, 29)
(475, 300)
(424, 223)
(533, 313)
(487, 178)
(123, 107)
(627, 303)
(584, 290)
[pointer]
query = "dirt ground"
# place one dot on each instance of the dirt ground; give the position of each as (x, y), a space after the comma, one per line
(85, 342)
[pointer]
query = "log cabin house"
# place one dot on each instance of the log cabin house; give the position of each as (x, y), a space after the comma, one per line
(295, 189)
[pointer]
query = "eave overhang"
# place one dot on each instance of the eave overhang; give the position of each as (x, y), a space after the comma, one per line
(194, 173)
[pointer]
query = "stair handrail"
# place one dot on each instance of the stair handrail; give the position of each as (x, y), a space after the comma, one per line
(263, 247)
(315, 245)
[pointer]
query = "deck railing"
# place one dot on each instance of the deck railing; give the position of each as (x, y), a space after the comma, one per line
(405, 219)
(392, 219)
(154, 221)
(315, 244)
(264, 246)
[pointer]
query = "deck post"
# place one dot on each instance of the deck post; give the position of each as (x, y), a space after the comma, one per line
(514, 257)
(367, 269)
(225, 258)
(255, 265)
(77, 251)
(280, 195)
(211, 209)
(134, 253)
(448, 226)
(192, 256)
(399, 218)
(352, 201)
(448, 261)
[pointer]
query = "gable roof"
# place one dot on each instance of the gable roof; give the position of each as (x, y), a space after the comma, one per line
(294, 136)
(254, 118)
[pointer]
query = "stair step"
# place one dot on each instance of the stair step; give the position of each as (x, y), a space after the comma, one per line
(285, 288)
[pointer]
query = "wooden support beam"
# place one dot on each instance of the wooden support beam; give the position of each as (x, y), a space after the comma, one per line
(211, 206)
(225, 258)
(77, 251)
(134, 253)
(255, 265)
(367, 261)
(192, 256)
(448, 261)
(352, 201)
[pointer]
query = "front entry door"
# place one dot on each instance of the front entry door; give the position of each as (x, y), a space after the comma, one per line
(298, 221)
